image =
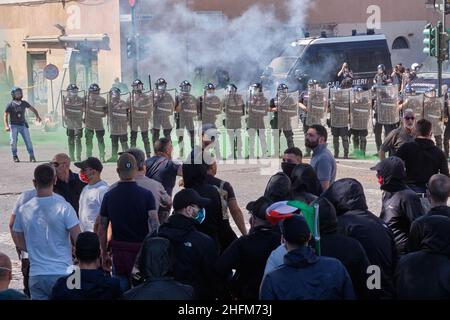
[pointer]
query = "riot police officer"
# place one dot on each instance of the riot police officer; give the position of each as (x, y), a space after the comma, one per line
(234, 107)
(359, 117)
(164, 107)
(210, 108)
(339, 109)
(284, 108)
(186, 112)
(73, 108)
(257, 108)
(118, 118)
(95, 112)
(140, 114)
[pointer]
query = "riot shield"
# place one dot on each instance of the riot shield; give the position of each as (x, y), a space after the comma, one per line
(118, 114)
(387, 111)
(141, 109)
(433, 108)
(257, 109)
(288, 111)
(96, 111)
(188, 111)
(360, 107)
(73, 108)
(164, 108)
(340, 107)
(415, 103)
(317, 103)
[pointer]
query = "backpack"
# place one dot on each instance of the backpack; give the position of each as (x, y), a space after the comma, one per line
(223, 199)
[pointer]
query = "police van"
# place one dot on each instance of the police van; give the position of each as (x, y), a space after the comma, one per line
(321, 58)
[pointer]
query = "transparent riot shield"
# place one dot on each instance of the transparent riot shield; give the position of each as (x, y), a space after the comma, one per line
(96, 111)
(387, 111)
(257, 110)
(73, 107)
(340, 107)
(118, 114)
(360, 110)
(288, 111)
(164, 108)
(316, 107)
(415, 102)
(141, 109)
(433, 110)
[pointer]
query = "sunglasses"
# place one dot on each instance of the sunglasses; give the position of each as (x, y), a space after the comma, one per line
(57, 164)
(409, 118)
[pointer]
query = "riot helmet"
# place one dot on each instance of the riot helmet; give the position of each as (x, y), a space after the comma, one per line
(185, 87)
(137, 85)
(161, 85)
(72, 90)
(16, 93)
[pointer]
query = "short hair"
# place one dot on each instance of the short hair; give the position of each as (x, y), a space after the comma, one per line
(87, 247)
(161, 145)
(439, 187)
(5, 264)
(423, 127)
(139, 155)
(44, 175)
(294, 150)
(321, 131)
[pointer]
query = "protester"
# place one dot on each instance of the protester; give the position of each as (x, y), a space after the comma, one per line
(131, 211)
(68, 184)
(322, 160)
(42, 228)
(195, 252)
(5, 280)
(424, 273)
(291, 158)
(305, 185)
(400, 205)
(92, 195)
(356, 221)
(438, 192)
(155, 264)
(94, 283)
(304, 275)
(248, 254)
(278, 188)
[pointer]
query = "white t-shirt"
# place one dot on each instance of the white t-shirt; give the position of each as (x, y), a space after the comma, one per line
(45, 223)
(90, 202)
(27, 196)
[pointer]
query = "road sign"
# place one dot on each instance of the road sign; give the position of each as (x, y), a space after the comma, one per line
(51, 72)
(132, 2)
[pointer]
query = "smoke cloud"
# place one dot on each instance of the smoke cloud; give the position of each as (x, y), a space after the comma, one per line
(179, 40)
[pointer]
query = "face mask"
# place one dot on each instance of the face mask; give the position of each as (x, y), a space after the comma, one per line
(201, 215)
(287, 167)
(83, 177)
(209, 95)
(380, 180)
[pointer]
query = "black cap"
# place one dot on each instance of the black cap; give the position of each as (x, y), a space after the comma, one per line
(138, 154)
(87, 247)
(295, 230)
(391, 167)
(187, 197)
(90, 162)
(258, 208)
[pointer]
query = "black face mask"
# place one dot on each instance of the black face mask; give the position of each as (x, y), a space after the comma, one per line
(288, 167)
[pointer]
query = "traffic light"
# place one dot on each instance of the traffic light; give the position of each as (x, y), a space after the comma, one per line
(443, 46)
(131, 47)
(429, 40)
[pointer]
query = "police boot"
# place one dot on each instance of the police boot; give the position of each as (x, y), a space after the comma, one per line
(133, 139)
(124, 143)
(101, 147)
(78, 148)
(363, 145)
(114, 150)
(345, 145)
(356, 147)
(146, 141)
(71, 149)
(336, 146)
(89, 145)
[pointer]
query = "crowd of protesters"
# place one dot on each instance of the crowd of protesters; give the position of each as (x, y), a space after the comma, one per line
(134, 240)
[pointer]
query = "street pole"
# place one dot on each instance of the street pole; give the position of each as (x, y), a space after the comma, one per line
(133, 32)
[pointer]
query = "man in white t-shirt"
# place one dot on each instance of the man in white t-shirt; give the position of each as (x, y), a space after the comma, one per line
(43, 227)
(92, 195)
(23, 255)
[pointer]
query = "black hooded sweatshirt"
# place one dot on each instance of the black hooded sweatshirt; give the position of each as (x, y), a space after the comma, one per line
(278, 188)
(347, 250)
(356, 221)
(155, 267)
(400, 205)
(195, 255)
(305, 185)
(425, 272)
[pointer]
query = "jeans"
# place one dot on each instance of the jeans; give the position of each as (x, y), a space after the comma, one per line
(41, 286)
(23, 130)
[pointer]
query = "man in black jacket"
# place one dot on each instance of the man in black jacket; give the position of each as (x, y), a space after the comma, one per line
(438, 193)
(95, 284)
(422, 158)
(154, 272)
(248, 254)
(195, 252)
(356, 221)
(278, 188)
(400, 205)
(424, 274)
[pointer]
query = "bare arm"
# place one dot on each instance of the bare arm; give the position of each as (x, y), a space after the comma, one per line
(6, 120)
(13, 234)
(302, 106)
(237, 215)
(103, 237)
(180, 171)
(33, 109)
(153, 221)
(74, 232)
(382, 155)
(20, 240)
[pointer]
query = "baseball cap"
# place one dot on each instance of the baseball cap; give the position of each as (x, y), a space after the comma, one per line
(280, 211)
(295, 230)
(87, 247)
(209, 132)
(187, 197)
(258, 208)
(91, 162)
(126, 165)
(138, 154)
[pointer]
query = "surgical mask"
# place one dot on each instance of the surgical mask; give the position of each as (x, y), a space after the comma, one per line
(380, 180)
(288, 167)
(201, 215)
(209, 94)
(161, 88)
(83, 177)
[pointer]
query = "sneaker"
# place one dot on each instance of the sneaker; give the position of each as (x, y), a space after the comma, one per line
(32, 159)
(16, 159)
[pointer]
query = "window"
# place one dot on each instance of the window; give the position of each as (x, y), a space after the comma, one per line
(400, 43)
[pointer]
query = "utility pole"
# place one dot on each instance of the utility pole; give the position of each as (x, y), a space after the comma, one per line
(134, 36)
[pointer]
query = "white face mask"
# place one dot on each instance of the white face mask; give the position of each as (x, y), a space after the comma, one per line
(210, 94)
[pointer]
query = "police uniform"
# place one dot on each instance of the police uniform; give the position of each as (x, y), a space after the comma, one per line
(257, 109)
(118, 126)
(447, 125)
(95, 112)
(73, 119)
(186, 106)
(286, 108)
(303, 99)
(164, 106)
(141, 113)
(358, 108)
(234, 108)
